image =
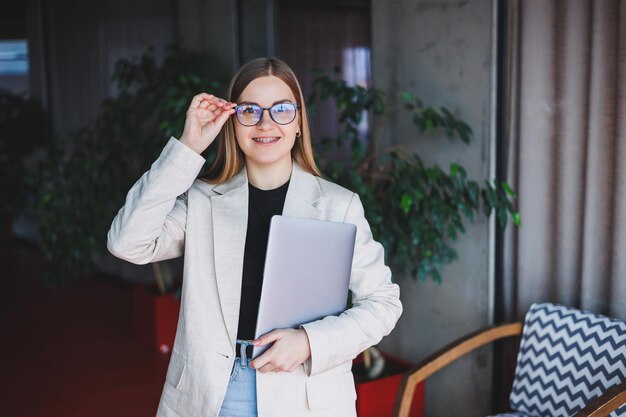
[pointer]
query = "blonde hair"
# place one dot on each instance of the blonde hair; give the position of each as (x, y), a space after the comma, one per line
(230, 159)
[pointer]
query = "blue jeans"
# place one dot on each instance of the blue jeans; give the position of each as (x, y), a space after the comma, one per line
(240, 399)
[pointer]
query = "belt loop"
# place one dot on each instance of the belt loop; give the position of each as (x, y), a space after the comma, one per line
(242, 351)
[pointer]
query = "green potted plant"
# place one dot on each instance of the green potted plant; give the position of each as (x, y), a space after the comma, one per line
(86, 175)
(416, 211)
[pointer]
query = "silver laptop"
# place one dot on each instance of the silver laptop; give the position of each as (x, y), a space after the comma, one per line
(307, 273)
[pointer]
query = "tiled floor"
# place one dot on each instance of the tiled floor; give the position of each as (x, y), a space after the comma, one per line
(71, 351)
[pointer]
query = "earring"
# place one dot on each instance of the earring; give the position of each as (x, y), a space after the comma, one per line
(298, 134)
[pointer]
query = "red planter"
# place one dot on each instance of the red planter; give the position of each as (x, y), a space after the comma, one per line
(376, 398)
(156, 317)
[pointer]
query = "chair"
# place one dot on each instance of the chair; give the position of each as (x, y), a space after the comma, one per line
(570, 363)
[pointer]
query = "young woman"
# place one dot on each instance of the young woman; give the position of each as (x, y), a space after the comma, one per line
(264, 166)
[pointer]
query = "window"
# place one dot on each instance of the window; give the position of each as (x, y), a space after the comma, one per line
(14, 66)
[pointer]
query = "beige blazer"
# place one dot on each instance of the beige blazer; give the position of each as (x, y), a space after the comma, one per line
(168, 212)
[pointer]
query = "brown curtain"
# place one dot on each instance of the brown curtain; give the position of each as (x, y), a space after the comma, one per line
(567, 156)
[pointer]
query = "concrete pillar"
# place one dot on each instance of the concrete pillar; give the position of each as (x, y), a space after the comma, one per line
(442, 51)
(210, 27)
(257, 28)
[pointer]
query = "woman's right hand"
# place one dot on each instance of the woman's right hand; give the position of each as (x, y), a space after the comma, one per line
(205, 117)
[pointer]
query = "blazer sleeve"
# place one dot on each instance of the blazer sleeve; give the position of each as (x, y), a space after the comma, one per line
(151, 225)
(376, 303)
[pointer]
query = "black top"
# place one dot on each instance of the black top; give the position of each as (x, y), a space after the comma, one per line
(262, 205)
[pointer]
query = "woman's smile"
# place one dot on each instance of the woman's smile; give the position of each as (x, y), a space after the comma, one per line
(265, 140)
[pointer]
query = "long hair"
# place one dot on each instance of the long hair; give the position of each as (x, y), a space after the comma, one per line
(230, 159)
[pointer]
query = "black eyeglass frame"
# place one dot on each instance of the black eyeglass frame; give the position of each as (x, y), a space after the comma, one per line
(296, 105)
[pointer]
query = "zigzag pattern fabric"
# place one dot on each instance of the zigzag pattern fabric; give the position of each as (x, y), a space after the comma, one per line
(567, 357)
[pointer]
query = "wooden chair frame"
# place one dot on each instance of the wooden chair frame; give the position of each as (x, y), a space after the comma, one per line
(602, 406)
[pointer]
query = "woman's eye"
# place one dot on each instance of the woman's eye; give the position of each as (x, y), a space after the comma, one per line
(248, 110)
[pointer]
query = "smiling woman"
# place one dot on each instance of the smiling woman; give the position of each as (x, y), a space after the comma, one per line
(264, 166)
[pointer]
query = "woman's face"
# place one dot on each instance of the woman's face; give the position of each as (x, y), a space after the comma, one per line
(267, 143)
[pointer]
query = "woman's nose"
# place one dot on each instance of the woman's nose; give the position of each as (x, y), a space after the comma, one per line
(266, 121)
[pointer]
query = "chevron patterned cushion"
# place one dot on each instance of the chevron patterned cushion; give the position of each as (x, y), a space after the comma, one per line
(510, 415)
(567, 357)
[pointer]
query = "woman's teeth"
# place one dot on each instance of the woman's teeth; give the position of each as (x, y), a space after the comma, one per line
(265, 140)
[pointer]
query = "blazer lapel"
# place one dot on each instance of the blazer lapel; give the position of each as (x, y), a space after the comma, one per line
(303, 195)
(230, 222)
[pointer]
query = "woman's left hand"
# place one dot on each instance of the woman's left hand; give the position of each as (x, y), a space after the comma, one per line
(290, 349)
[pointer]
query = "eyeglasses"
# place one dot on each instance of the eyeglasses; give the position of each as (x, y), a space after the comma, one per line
(251, 114)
